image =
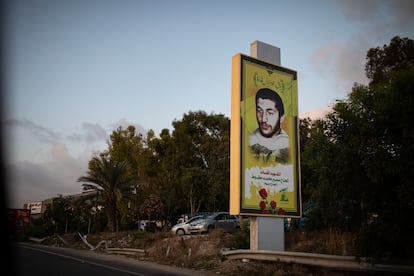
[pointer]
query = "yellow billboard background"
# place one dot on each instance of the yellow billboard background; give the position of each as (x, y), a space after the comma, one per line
(280, 181)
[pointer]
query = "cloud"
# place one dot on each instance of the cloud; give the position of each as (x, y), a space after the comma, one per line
(124, 124)
(359, 10)
(65, 160)
(61, 155)
(377, 22)
(30, 182)
(402, 12)
(396, 15)
(315, 114)
(90, 133)
(346, 61)
(55, 173)
(43, 134)
(94, 132)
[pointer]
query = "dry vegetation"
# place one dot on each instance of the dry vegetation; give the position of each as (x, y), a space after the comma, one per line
(325, 242)
(203, 252)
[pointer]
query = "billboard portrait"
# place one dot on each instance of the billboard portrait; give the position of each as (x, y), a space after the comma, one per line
(265, 173)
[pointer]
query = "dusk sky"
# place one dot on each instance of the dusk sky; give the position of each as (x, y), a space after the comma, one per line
(77, 70)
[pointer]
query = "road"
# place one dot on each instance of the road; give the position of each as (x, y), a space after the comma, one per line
(38, 260)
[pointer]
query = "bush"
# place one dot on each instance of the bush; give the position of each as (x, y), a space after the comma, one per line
(37, 231)
(240, 239)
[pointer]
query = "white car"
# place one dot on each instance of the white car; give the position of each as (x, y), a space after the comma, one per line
(184, 228)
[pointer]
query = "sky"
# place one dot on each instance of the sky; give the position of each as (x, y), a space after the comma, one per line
(74, 71)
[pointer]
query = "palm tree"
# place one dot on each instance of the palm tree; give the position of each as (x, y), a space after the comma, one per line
(110, 179)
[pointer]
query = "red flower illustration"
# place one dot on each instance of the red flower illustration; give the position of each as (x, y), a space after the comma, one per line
(262, 205)
(263, 193)
(266, 207)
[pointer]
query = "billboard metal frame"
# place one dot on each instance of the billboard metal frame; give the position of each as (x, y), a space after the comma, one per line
(263, 184)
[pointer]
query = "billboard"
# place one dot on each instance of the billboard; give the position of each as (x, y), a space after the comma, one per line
(35, 207)
(264, 140)
(19, 218)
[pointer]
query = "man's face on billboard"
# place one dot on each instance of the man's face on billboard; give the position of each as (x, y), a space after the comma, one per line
(267, 117)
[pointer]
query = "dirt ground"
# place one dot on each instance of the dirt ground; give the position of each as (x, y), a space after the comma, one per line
(203, 252)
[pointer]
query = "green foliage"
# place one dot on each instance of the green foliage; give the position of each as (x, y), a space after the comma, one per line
(240, 239)
(185, 170)
(357, 160)
(152, 207)
(37, 231)
(60, 214)
(397, 56)
(137, 235)
(203, 155)
(110, 178)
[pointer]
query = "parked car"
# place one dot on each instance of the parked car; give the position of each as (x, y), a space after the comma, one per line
(219, 220)
(185, 217)
(184, 228)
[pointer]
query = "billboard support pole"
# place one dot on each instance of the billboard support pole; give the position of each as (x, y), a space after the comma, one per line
(266, 233)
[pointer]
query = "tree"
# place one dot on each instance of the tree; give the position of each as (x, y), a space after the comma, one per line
(202, 158)
(160, 172)
(386, 107)
(360, 156)
(387, 161)
(88, 216)
(305, 128)
(398, 55)
(110, 179)
(127, 146)
(60, 213)
(216, 146)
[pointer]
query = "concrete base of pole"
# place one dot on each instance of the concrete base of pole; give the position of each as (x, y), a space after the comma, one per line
(267, 233)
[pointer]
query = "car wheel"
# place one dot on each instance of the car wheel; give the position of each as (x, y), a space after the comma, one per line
(210, 228)
(180, 232)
